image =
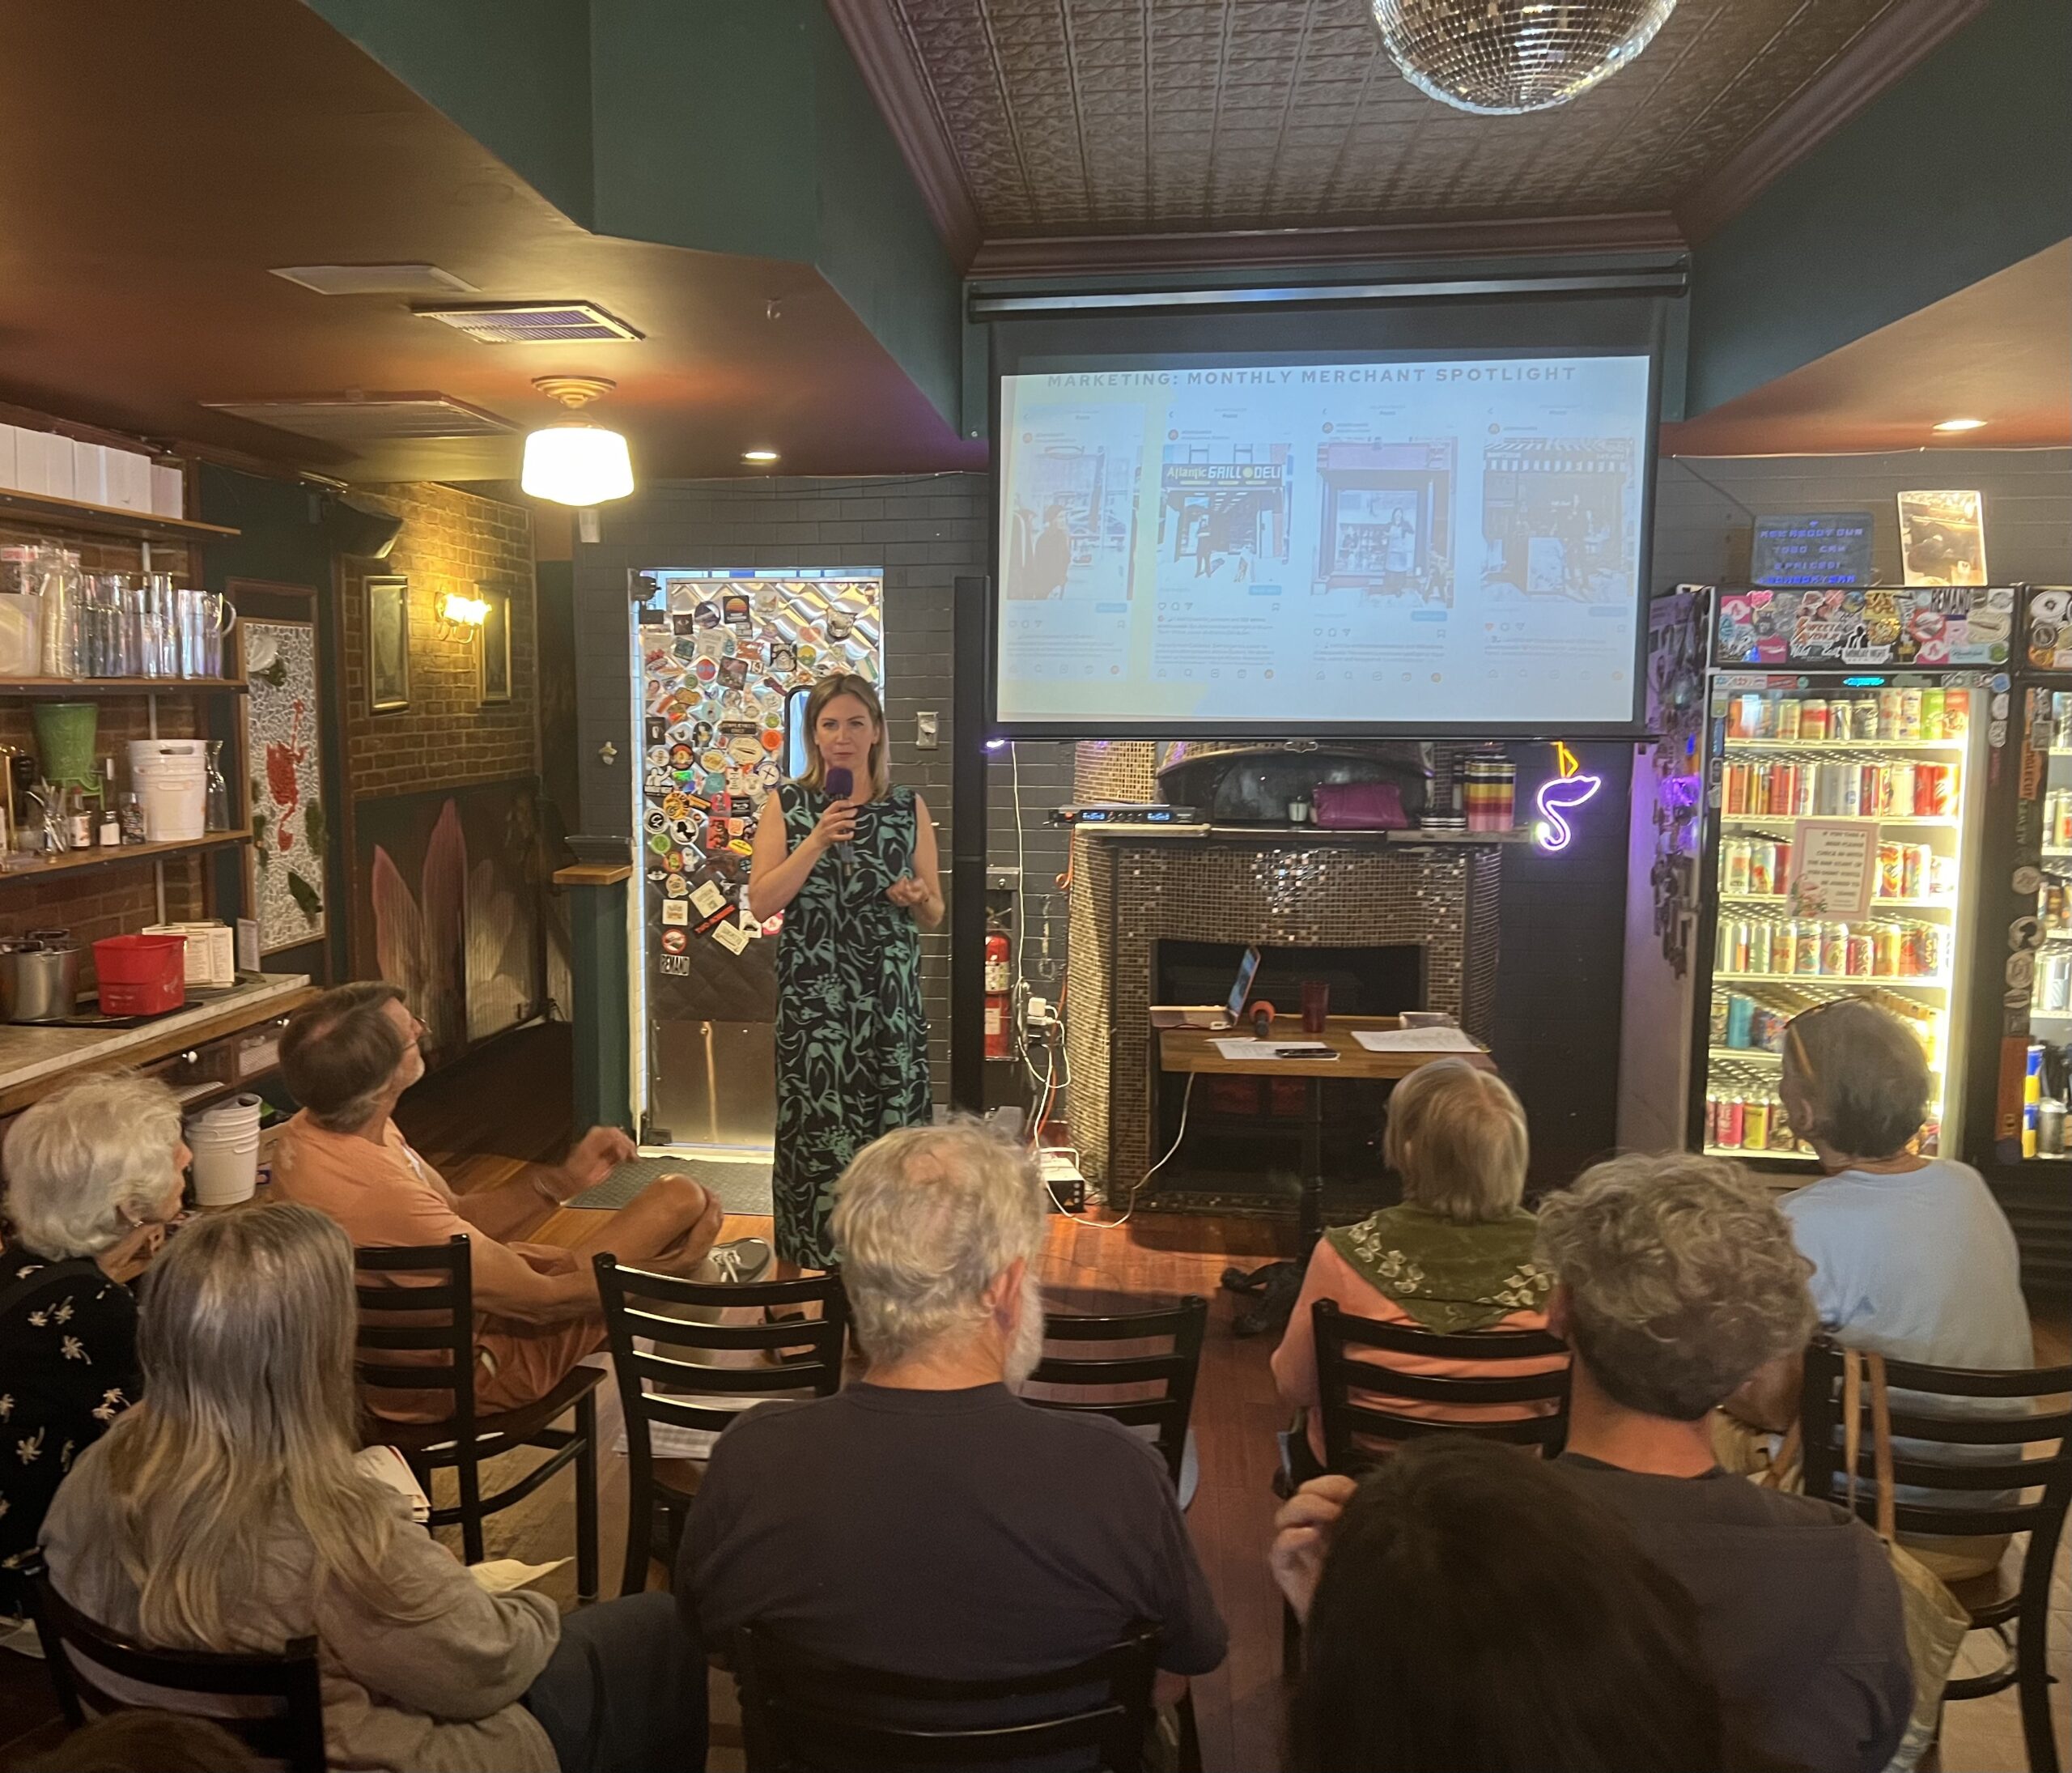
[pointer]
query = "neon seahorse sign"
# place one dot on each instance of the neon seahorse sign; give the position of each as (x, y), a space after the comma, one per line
(1560, 795)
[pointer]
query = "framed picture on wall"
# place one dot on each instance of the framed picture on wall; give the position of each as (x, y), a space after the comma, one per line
(495, 644)
(388, 642)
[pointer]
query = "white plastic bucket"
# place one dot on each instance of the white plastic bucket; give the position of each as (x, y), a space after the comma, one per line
(225, 1142)
(172, 779)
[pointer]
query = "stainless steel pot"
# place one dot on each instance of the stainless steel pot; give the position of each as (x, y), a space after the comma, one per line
(39, 984)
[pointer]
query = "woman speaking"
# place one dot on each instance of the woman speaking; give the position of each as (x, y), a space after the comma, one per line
(852, 864)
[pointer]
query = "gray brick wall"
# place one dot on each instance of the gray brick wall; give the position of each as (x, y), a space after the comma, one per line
(924, 531)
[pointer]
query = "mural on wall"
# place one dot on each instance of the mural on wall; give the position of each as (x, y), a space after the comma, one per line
(446, 904)
(284, 867)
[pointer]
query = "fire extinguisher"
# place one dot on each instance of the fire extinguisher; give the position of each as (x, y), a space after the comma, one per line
(1000, 992)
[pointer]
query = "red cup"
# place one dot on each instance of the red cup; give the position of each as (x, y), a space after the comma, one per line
(1316, 1004)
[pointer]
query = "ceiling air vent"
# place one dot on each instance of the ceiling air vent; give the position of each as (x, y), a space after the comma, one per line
(420, 280)
(345, 418)
(534, 323)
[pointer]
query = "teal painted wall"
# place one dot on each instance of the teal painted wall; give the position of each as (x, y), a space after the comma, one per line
(1960, 170)
(514, 74)
(733, 126)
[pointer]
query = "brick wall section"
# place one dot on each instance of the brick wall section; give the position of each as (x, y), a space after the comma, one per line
(114, 901)
(924, 532)
(454, 540)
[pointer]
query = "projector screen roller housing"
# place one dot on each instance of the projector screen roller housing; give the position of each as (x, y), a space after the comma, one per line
(1428, 545)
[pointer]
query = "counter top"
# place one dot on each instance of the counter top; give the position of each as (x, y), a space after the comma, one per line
(1295, 836)
(30, 1056)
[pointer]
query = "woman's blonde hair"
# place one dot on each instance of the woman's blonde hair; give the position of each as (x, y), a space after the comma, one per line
(1456, 1136)
(247, 1424)
(829, 689)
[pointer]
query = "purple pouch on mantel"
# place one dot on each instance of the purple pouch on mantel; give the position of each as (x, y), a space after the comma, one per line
(1360, 806)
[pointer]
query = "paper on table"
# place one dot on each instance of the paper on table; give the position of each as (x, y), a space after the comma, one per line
(1272, 1049)
(1415, 1040)
(500, 1575)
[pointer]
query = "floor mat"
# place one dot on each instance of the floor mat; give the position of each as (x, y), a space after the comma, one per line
(742, 1186)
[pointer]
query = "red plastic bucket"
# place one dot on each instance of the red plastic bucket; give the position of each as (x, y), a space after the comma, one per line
(140, 975)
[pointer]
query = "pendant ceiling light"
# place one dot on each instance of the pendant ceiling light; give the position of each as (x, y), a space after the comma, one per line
(1498, 57)
(576, 462)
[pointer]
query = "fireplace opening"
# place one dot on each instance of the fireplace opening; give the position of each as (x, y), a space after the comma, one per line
(1244, 1135)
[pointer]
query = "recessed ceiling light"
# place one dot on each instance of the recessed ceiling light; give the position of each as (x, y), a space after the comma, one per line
(758, 455)
(1961, 424)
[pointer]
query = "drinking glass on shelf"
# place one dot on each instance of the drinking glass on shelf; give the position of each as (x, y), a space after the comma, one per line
(217, 817)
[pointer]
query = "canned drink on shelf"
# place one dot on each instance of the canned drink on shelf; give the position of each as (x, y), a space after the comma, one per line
(1861, 955)
(1781, 788)
(1734, 866)
(1808, 774)
(2050, 1128)
(1889, 880)
(1762, 940)
(1767, 1029)
(1884, 951)
(1715, 1103)
(1806, 950)
(1889, 707)
(1756, 1124)
(1834, 950)
(1871, 789)
(1866, 720)
(1912, 858)
(1740, 1020)
(1841, 718)
(1762, 867)
(1956, 713)
(1935, 949)
(1931, 713)
(1787, 717)
(1734, 789)
(1813, 720)
(1718, 1036)
(1732, 1122)
(1853, 806)
(1931, 790)
(2056, 971)
(1942, 876)
(1909, 727)
(1911, 952)
(1781, 1133)
(2061, 831)
(1899, 790)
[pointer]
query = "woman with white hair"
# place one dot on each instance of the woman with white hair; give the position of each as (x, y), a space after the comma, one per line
(228, 1512)
(1455, 1256)
(93, 1174)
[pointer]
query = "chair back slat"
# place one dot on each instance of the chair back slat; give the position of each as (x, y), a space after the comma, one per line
(1353, 1393)
(800, 1712)
(728, 1338)
(1185, 1324)
(77, 1649)
(437, 1318)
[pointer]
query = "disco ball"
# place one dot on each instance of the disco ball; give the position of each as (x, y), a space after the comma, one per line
(1498, 57)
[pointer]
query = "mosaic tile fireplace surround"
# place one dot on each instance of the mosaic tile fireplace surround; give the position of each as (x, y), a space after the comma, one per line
(1317, 890)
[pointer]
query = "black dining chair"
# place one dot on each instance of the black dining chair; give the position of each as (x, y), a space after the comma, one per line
(431, 1324)
(801, 1357)
(1998, 1468)
(80, 1653)
(1354, 1395)
(801, 1712)
(1115, 1384)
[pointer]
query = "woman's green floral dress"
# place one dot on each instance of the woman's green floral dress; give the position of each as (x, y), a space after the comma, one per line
(853, 1038)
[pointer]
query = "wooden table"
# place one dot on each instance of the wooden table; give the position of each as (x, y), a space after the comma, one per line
(1192, 1051)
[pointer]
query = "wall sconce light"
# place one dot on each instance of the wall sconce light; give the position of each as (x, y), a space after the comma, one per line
(1561, 794)
(461, 616)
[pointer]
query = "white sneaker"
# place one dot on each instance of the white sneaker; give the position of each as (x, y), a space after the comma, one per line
(736, 1263)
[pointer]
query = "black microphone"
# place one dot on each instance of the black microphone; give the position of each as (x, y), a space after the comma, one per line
(840, 785)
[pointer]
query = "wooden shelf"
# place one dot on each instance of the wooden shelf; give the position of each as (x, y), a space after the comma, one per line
(65, 687)
(109, 520)
(75, 861)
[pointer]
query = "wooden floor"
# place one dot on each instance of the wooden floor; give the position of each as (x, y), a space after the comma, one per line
(1153, 1257)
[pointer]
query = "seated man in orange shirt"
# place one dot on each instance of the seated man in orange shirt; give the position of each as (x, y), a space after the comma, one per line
(347, 1058)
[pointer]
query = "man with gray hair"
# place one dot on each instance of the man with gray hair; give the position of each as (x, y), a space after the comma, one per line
(1676, 1280)
(925, 1520)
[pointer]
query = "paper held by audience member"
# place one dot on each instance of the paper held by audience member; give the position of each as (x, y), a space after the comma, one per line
(500, 1575)
(1415, 1040)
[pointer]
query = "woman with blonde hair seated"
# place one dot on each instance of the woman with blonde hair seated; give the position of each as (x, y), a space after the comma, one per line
(1455, 1256)
(228, 1511)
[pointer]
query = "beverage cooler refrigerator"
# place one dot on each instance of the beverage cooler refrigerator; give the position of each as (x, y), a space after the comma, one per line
(1854, 722)
(2024, 1146)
